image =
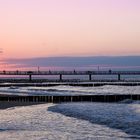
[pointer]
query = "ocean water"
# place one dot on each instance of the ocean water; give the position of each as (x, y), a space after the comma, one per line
(71, 90)
(71, 121)
(78, 121)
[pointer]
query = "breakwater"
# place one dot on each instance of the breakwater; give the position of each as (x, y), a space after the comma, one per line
(60, 99)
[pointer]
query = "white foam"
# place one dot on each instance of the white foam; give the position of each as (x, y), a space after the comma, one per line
(69, 90)
(37, 123)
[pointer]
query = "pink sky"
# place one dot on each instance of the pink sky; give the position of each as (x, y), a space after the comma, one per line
(44, 28)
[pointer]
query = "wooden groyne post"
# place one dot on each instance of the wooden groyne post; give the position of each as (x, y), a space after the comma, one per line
(77, 98)
(119, 77)
(60, 77)
(90, 77)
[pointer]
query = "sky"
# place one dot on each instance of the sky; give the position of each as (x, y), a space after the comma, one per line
(56, 28)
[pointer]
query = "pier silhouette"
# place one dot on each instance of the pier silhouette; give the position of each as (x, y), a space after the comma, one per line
(90, 74)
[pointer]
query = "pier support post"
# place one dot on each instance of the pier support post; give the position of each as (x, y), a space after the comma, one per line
(119, 77)
(90, 77)
(60, 77)
(30, 77)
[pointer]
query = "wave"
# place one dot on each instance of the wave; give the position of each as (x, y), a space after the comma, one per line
(124, 117)
(39, 122)
(70, 90)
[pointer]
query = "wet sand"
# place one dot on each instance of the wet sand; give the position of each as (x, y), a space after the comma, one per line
(5, 104)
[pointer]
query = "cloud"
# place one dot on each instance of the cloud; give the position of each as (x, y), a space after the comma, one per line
(76, 62)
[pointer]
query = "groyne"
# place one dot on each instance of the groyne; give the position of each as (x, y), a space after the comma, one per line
(61, 99)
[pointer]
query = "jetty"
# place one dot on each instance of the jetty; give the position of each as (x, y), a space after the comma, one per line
(90, 74)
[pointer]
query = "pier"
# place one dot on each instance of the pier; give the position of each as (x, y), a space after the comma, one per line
(90, 74)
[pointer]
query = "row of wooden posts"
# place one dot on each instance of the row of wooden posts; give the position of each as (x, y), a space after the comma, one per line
(78, 98)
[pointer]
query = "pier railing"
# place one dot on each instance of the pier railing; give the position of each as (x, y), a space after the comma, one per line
(69, 72)
(61, 73)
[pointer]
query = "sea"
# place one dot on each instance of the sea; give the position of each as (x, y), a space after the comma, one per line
(71, 121)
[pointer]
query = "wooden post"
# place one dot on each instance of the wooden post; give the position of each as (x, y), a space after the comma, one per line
(30, 77)
(90, 77)
(60, 77)
(119, 77)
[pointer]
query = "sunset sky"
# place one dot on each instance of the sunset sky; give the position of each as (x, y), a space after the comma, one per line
(49, 28)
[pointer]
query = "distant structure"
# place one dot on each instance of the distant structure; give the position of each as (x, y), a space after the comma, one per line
(61, 73)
